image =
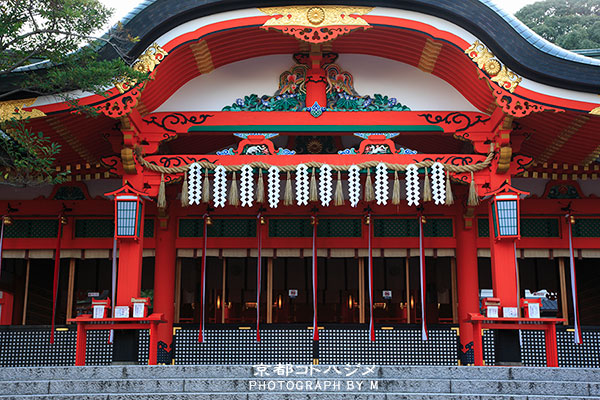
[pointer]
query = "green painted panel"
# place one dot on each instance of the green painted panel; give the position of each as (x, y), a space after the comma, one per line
(328, 227)
(148, 228)
(94, 228)
(409, 227)
(586, 227)
(290, 228)
(483, 227)
(194, 227)
(32, 228)
(539, 227)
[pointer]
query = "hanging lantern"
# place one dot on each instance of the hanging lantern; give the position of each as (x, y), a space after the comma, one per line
(505, 211)
(128, 212)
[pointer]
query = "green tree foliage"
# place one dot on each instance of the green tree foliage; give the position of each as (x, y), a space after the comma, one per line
(570, 24)
(51, 47)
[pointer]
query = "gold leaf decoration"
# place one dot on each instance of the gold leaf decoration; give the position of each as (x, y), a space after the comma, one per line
(146, 63)
(316, 16)
(488, 62)
(14, 109)
(595, 111)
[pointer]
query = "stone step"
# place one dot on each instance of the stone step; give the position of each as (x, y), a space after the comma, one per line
(300, 385)
(532, 374)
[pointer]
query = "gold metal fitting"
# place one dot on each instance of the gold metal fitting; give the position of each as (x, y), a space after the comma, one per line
(7, 220)
(423, 219)
(208, 220)
(262, 220)
(367, 219)
(571, 219)
(314, 221)
(63, 220)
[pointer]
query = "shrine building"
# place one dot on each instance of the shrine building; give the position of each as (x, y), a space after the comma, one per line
(364, 182)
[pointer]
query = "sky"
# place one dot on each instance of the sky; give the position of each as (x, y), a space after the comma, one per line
(122, 7)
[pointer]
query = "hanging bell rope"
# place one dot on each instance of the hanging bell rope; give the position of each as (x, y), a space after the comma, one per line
(369, 191)
(426, 187)
(161, 201)
(449, 195)
(473, 199)
(260, 190)
(396, 190)
(185, 199)
(234, 193)
(206, 188)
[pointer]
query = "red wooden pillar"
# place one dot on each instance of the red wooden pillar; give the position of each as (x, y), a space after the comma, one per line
(468, 284)
(129, 276)
(504, 268)
(164, 286)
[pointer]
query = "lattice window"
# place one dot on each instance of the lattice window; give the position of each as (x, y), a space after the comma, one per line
(539, 227)
(405, 227)
(148, 228)
(96, 228)
(328, 227)
(189, 227)
(483, 227)
(32, 228)
(586, 227)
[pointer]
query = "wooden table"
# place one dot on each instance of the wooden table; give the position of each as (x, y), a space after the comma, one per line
(87, 323)
(546, 324)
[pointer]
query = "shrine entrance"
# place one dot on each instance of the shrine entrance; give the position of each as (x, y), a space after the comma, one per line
(342, 292)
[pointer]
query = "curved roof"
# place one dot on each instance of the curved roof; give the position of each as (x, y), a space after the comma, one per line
(521, 49)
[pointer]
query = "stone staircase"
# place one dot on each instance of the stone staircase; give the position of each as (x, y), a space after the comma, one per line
(326, 383)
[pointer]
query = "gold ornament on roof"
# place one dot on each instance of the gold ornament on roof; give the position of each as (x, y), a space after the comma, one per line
(488, 62)
(13, 109)
(146, 63)
(316, 24)
(595, 111)
(150, 59)
(315, 15)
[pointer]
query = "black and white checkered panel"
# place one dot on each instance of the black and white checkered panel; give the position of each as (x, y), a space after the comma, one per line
(98, 349)
(239, 346)
(533, 348)
(403, 346)
(489, 343)
(32, 348)
(578, 355)
(143, 346)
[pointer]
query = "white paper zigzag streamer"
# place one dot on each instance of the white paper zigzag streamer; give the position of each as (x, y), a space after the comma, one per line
(354, 185)
(325, 185)
(246, 186)
(220, 187)
(412, 185)
(194, 177)
(381, 184)
(438, 184)
(302, 185)
(273, 187)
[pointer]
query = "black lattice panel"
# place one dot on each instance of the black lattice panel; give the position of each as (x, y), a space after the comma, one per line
(391, 347)
(489, 342)
(533, 348)
(143, 346)
(98, 349)
(578, 355)
(238, 346)
(32, 348)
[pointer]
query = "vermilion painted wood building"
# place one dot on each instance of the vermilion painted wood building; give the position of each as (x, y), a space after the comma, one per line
(363, 168)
